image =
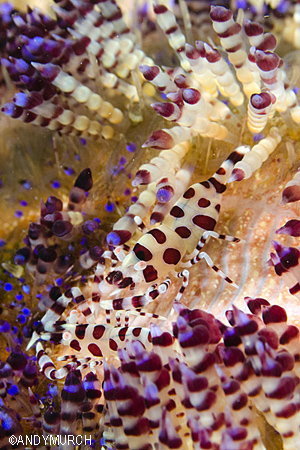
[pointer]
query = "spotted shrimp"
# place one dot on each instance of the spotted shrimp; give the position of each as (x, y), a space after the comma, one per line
(87, 344)
(170, 248)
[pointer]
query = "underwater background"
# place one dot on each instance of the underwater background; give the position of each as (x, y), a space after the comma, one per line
(37, 163)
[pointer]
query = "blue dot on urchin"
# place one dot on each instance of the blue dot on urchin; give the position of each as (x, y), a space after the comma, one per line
(13, 390)
(8, 287)
(18, 213)
(55, 184)
(131, 147)
(110, 207)
(26, 288)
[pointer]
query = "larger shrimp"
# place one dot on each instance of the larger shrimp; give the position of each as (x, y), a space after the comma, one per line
(173, 246)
